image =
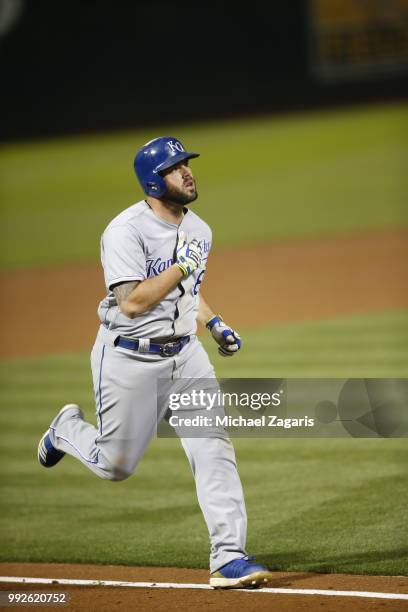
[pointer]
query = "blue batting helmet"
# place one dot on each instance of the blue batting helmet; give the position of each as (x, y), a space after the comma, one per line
(154, 157)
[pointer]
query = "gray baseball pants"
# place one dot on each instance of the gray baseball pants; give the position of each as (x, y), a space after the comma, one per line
(127, 409)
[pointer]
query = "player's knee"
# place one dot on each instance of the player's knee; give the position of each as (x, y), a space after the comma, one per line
(117, 473)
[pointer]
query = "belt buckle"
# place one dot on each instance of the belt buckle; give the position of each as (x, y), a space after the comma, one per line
(167, 350)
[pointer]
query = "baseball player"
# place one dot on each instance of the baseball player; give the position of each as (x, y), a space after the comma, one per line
(154, 256)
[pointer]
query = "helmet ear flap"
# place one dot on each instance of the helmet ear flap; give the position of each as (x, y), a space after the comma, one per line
(152, 186)
(155, 188)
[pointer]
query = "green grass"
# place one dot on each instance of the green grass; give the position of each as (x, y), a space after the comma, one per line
(313, 504)
(367, 346)
(259, 180)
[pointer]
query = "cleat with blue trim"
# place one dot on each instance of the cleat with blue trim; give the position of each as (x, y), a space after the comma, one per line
(48, 455)
(239, 574)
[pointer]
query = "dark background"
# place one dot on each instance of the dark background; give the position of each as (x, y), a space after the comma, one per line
(78, 66)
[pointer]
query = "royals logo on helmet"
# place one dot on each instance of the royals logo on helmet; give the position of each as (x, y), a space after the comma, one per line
(175, 146)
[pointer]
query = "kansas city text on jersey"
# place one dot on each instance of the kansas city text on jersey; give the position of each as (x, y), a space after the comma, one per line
(158, 265)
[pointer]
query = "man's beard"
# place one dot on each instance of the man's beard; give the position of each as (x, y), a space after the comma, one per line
(178, 197)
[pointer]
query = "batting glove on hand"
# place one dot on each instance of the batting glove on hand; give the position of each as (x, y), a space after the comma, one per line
(188, 255)
(227, 338)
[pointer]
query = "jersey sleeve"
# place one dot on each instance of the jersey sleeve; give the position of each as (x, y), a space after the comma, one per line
(122, 255)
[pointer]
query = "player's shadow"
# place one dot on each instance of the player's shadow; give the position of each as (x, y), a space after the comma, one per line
(283, 581)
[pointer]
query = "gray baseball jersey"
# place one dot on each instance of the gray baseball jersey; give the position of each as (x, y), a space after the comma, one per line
(136, 245)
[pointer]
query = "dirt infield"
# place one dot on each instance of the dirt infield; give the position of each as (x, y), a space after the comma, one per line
(53, 310)
(166, 599)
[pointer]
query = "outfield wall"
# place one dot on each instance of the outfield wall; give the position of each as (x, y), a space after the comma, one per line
(75, 66)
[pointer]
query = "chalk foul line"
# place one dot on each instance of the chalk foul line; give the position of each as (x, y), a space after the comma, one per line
(176, 585)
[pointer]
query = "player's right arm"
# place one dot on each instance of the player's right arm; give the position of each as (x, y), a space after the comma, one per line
(136, 297)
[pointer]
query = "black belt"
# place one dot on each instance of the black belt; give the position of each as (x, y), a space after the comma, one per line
(145, 346)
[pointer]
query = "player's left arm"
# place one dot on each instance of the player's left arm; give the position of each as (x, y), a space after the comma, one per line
(228, 339)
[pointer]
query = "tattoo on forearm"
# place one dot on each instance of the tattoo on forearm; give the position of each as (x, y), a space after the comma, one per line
(123, 291)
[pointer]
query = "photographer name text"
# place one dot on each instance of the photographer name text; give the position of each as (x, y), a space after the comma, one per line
(271, 420)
